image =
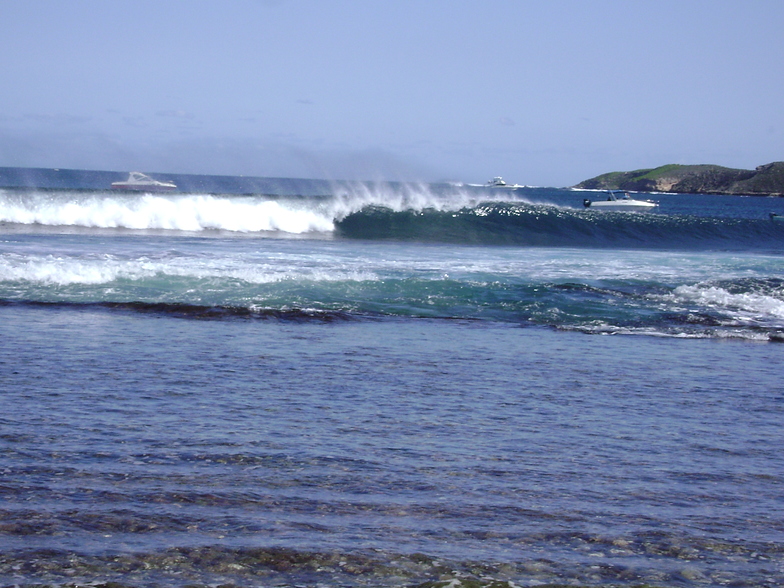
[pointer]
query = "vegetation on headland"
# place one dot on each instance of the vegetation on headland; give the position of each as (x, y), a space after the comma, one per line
(765, 180)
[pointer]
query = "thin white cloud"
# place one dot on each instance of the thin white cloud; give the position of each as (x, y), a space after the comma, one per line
(175, 114)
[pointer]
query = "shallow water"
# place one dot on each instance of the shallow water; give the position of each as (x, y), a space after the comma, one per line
(151, 449)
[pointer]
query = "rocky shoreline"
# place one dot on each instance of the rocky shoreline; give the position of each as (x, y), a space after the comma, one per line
(765, 180)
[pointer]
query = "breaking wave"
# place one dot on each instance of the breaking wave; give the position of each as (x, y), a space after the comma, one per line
(200, 212)
(413, 212)
(181, 213)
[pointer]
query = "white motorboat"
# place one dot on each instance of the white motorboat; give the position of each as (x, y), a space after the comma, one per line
(498, 182)
(624, 202)
(139, 182)
(776, 217)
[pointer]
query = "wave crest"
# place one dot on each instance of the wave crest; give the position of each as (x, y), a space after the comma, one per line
(181, 213)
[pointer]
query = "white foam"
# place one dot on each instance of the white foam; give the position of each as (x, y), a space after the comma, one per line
(673, 333)
(58, 271)
(748, 302)
(183, 213)
(64, 271)
(198, 212)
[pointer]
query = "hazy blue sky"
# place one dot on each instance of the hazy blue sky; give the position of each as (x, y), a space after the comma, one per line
(543, 92)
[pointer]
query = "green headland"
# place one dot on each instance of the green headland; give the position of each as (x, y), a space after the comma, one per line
(765, 180)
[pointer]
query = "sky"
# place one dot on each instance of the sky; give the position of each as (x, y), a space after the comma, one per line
(546, 92)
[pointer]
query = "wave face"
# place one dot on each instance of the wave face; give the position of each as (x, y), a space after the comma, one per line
(552, 226)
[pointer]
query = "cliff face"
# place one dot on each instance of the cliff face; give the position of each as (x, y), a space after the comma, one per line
(766, 180)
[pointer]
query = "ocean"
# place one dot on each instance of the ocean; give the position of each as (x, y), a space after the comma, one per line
(308, 383)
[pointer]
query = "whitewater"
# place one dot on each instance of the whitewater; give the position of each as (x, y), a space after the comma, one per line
(198, 212)
(370, 384)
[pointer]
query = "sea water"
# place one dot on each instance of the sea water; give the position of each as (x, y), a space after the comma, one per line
(389, 385)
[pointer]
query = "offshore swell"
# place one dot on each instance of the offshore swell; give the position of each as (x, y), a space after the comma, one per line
(333, 389)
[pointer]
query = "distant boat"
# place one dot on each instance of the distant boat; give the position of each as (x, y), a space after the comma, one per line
(141, 183)
(616, 203)
(498, 182)
(776, 217)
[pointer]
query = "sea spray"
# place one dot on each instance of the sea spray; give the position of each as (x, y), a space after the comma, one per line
(352, 199)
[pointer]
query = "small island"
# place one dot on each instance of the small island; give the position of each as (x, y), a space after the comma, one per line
(765, 180)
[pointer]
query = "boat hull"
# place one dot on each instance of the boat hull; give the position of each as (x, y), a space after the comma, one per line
(619, 206)
(143, 187)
